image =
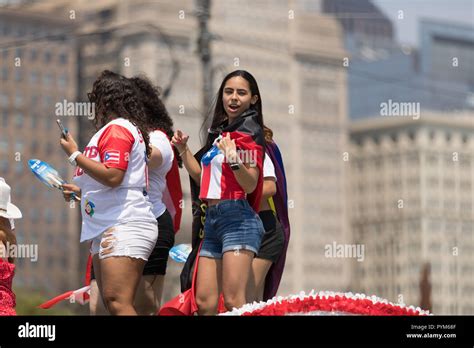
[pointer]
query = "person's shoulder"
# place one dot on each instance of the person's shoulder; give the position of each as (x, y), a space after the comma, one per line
(120, 121)
(120, 127)
(159, 135)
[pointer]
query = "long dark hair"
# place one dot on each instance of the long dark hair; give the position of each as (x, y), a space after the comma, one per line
(219, 117)
(157, 116)
(115, 96)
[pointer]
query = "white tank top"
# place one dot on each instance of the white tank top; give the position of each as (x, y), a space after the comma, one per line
(157, 176)
(118, 144)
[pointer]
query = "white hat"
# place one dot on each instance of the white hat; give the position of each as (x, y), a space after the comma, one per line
(7, 210)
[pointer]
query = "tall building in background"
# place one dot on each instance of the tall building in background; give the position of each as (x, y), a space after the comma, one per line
(412, 203)
(362, 21)
(37, 72)
(447, 51)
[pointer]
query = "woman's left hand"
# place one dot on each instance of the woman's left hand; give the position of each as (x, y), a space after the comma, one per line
(69, 144)
(228, 147)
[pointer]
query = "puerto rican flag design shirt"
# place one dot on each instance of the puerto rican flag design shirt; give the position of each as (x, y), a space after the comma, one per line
(119, 144)
(217, 178)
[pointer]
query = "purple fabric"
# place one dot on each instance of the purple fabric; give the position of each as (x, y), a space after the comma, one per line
(280, 199)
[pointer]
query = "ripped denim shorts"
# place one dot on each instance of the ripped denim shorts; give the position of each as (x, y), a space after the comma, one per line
(133, 239)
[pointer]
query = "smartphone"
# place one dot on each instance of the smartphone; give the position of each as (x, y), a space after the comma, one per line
(61, 127)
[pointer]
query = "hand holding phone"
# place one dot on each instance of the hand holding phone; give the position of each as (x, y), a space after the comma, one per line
(63, 130)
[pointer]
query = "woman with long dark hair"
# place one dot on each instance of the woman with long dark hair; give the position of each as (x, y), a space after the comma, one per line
(164, 185)
(230, 178)
(111, 176)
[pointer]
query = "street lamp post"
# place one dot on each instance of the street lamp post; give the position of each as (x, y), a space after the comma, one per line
(204, 52)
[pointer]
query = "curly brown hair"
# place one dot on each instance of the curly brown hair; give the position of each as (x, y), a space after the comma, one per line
(114, 96)
(157, 116)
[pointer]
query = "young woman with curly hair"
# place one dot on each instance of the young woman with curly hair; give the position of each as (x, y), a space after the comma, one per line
(111, 175)
(163, 163)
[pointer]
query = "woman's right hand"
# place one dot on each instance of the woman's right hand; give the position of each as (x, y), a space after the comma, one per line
(69, 189)
(180, 140)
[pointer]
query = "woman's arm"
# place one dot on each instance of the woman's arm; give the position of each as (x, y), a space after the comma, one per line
(180, 140)
(246, 175)
(269, 188)
(156, 158)
(111, 177)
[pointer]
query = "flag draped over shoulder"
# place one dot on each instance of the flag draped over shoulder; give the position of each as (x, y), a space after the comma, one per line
(280, 200)
(248, 136)
(173, 195)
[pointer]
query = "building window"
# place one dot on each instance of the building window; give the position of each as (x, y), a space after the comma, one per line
(4, 166)
(4, 73)
(18, 168)
(34, 216)
(4, 119)
(19, 191)
(48, 215)
(63, 57)
(3, 146)
(4, 99)
(34, 54)
(18, 100)
(64, 220)
(19, 120)
(34, 77)
(47, 78)
(49, 148)
(34, 146)
(18, 75)
(47, 57)
(34, 122)
(48, 102)
(18, 146)
(62, 81)
(50, 262)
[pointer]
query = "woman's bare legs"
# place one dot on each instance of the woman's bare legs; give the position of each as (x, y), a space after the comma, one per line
(237, 266)
(260, 268)
(120, 276)
(96, 305)
(208, 285)
(149, 293)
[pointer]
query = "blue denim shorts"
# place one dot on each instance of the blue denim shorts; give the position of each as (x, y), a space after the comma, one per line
(231, 225)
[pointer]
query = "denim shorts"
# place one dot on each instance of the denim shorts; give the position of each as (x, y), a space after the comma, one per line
(231, 225)
(134, 239)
